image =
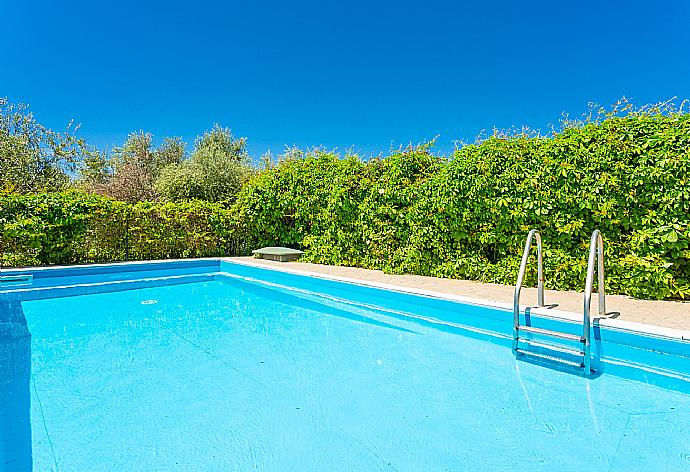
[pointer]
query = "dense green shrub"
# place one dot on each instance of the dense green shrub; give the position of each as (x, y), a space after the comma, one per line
(72, 227)
(467, 217)
(415, 212)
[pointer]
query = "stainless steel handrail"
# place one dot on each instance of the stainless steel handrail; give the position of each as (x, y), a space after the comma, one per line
(596, 250)
(533, 234)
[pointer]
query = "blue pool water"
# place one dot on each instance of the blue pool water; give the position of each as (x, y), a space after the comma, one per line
(224, 367)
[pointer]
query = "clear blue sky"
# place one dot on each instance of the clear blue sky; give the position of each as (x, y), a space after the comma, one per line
(358, 73)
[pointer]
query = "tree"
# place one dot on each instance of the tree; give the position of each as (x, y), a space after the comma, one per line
(215, 172)
(130, 174)
(95, 170)
(33, 157)
(172, 151)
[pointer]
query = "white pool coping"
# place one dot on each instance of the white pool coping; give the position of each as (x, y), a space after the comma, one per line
(573, 317)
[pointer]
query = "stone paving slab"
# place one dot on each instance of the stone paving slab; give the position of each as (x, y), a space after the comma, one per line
(667, 314)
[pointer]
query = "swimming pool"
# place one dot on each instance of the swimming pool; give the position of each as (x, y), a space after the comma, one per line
(214, 365)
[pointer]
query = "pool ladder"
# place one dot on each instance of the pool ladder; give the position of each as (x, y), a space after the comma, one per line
(596, 251)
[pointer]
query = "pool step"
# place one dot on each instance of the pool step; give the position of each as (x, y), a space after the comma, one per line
(547, 357)
(553, 347)
(15, 280)
(548, 332)
(581, 353)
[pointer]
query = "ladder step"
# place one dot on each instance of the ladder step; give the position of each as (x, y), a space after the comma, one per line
(547, 357)
(553, 347)
(548, 332)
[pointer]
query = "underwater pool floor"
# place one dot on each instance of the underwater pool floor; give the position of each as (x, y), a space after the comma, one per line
(231, 375)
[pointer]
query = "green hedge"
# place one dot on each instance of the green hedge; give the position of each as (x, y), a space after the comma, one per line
(467, 217)
(72, 227)
(414, 212)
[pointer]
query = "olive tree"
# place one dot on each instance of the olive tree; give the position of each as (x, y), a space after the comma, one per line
(33, 157)
(218, 167)
(130, 173)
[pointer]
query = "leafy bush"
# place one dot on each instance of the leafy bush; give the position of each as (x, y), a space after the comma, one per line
(413, 212)
(72, 227)
(467, 217)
